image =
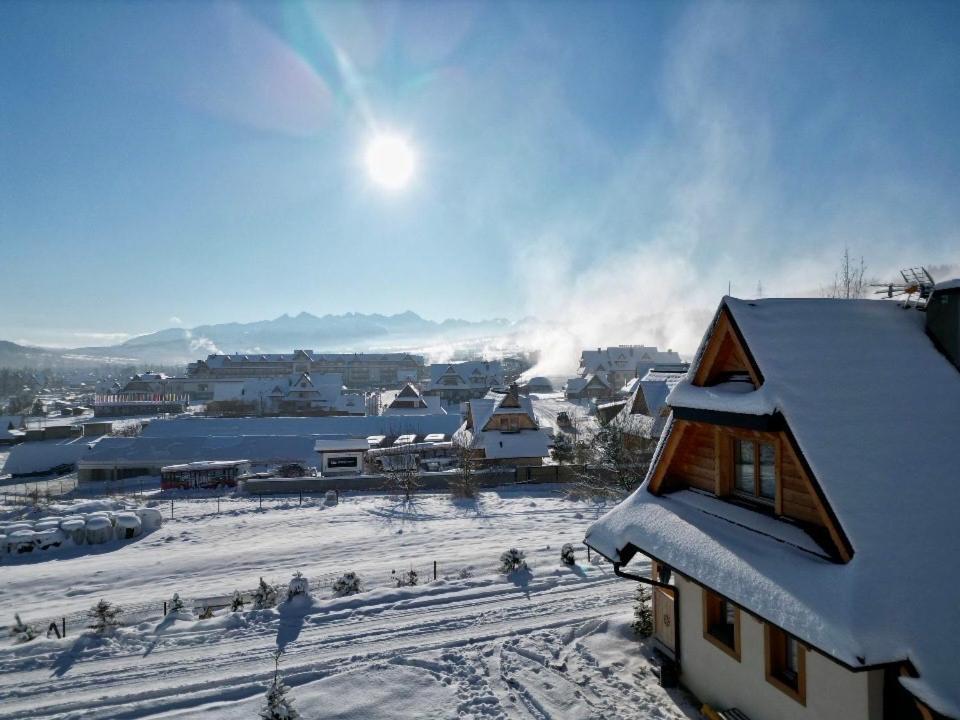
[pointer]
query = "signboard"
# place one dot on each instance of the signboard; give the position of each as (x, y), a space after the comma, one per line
(342, 462)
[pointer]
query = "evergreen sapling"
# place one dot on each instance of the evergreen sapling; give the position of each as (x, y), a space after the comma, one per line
(642, 613)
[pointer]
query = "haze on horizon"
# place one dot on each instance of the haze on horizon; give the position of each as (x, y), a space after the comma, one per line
(607, 168)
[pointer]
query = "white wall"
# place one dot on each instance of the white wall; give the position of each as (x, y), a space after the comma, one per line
(833, 692)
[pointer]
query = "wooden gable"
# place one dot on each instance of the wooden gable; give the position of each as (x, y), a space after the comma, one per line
(700, 455)
(726, 354)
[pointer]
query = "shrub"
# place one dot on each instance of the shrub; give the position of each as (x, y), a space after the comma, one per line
(347, 584)
(265, 596)
(567, 556)
(299, 585)
(236, 603)
(512, 559)
(406, 578)
(642, 613)
(104, 617)
(21, 631)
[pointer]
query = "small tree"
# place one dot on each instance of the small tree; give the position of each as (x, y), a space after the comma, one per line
(616, 467)
(642, 613)
(407, 578)
(402, 475)
(104, 617)
(278, 706)
(347, 584)
(464, 483)
(176, 604)
(299, 585)
(21, 631)
(512, 559)
(265, 596)
(236, 603)
(567, 556)
(563, 448)
(850, 281)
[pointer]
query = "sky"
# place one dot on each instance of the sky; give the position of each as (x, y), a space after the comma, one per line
(609, 167)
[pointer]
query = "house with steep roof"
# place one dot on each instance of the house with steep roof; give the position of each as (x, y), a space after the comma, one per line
(798, 522)
(410, 401)
(620, 363)
(459, 382)
(504, 430)
(645, 413)
(592, 387)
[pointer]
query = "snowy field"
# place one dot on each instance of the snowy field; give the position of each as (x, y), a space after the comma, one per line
(553, 643)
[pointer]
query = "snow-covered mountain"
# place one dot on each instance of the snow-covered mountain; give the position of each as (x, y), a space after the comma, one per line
(350, 331)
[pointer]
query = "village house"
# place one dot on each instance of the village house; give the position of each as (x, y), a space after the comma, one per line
(459, 382)
(620, 363)
(503, 430)
(592, 387)
(645, 413)
(800, 512)
(410, 401)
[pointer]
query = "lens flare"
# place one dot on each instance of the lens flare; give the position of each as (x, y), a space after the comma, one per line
(390, 161)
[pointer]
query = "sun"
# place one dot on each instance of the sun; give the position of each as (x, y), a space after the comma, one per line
(390, 161)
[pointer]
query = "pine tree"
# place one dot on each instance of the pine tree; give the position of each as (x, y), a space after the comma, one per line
(278, 706)
(512, 559)
(642, 613)
(347, 584)
(265, 596)
(298, 586)
(104, 617)
(567, 556)
(410, 577)
(563, 448)
(21, 631)
(176, 604)
(236, 604)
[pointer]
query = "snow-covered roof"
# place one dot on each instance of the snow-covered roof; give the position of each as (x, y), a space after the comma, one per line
(470, 375)
(875, 410)
(575, 385)
(204, 465)
(153, 451)
(341, 444)
(358, 426)
(219, 361)
(624, 358)
(5, 422)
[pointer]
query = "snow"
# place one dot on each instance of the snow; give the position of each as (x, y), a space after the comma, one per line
(875, 410)
(554, 644)
(43, 455)
(733, 397)
(948, 284)
(358, 426)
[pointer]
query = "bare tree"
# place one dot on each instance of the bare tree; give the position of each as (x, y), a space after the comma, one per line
(402, 475)
(850, 281)
(464, 482)
(615, 468)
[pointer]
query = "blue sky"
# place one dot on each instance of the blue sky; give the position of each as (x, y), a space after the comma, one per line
(184, 162)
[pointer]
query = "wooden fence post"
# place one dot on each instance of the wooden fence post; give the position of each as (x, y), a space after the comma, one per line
(171, 508)
(434, 569)
(64, 623)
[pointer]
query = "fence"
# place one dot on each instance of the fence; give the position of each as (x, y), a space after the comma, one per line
(136, 613)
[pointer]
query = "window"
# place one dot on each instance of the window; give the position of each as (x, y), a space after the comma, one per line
(785, 662)
(721, 623)
(755, 470)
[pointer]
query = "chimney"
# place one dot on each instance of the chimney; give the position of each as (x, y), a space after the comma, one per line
(943, 319)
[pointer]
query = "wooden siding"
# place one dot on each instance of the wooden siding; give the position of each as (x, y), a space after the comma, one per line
(694, 462)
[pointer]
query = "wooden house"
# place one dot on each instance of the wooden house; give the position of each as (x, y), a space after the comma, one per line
(799, 518)
(504, 431)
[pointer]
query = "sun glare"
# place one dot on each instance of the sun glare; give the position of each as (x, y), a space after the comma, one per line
(390, 161)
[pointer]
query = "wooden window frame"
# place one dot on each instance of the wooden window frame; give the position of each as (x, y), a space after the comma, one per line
(726, 440)
(735, 456)
(772, 637)
(710, 597)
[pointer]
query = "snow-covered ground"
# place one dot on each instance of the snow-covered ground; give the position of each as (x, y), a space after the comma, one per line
(554, 643)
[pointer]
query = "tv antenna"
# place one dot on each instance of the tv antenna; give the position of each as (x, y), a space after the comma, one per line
(916, 281)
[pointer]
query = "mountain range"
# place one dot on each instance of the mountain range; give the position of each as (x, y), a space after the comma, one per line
(330, 333)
